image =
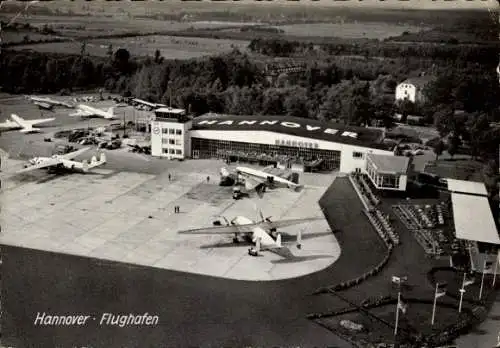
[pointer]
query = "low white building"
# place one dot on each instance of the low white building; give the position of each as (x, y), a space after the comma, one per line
(388, 172)
(289, 142)
(413, 88)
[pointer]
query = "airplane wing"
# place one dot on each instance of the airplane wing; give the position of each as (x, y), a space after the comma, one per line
(48, 163)
(248, 228)
(74, 154)
(40, 120)
(8, 124)
(284, 252)
(221, 230)
(81, 113)
(286, 223)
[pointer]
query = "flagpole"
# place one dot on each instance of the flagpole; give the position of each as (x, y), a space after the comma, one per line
(462, 291)
(397, 315)
(482, 281)
(434, 306)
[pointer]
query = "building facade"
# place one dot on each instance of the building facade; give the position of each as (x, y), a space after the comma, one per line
(287, 142)
(412, 89)
(387, 172)
(170, 134)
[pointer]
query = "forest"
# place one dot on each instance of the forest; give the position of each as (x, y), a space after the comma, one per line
(353, 83)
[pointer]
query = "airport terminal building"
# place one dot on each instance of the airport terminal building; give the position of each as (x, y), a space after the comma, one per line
(290, 142)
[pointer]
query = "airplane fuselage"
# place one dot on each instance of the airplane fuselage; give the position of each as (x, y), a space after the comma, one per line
(270, 179)
(257, 232)
(93, 111)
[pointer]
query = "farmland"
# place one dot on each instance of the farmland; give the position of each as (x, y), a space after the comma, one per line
(364, 30)
(170, 47)
(93, 26)
(15, 37)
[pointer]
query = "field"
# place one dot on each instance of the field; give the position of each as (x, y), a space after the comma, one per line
(90, 25)
(15, 37)
(364, 30)
(169, 46)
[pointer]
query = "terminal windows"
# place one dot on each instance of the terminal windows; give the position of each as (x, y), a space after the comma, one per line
(178, 152)
(171, 141)
(165, 150)
(164, 130)
(171, 131)
(171, 151)
(177, 142)
(356, 154)
(178, 131)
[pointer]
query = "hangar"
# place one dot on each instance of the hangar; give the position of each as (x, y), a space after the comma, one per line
(289, 142)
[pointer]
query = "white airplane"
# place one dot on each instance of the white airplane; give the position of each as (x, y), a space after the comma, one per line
(89, 111)
(256, 232)
(257, 180)
(43, 105)
(148, 104)
(64, 162)
(44, 102)
(24, 126)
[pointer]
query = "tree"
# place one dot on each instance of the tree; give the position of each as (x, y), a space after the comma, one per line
(438, 149)
(406, 107)
(443, 120)
(453, 144)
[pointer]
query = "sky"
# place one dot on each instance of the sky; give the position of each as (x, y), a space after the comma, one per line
(397, 4)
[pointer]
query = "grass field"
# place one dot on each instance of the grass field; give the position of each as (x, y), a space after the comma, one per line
(15, 37)
(78, 26)
(169, 46)
(363, 30)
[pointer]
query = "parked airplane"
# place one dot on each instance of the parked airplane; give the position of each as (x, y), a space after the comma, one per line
(44, 102)
(42, 105)
(147, 104)
(257, 180)
(261, 233)
(89, 111)
(24, 126)
(64, 162)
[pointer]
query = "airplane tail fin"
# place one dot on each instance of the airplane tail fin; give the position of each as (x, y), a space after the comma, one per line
(294, 177)
(257, 245)
(278, 240)
(111, 111)
(102, 157)
(93, 160)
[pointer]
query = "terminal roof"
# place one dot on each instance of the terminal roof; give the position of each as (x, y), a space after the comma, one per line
(301, 127)
(471, 187)
(473, 219)
(390, 164)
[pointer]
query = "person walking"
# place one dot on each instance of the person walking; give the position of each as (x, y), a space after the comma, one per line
(208, 179)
